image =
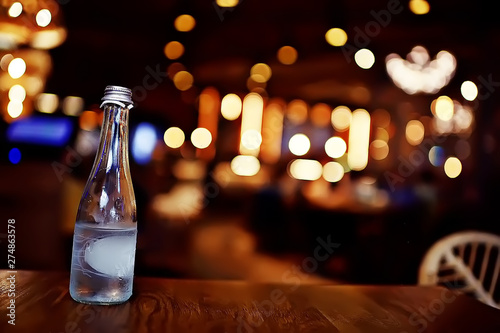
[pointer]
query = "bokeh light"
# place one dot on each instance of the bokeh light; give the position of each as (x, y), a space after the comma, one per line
(469, 90)
(184, 23)
(452, 167)
(231, 106)
(379, 149)
(14, 109)
(336, 37)
(227, 3)
(14, 155)
(436, 156)
(47, 103)
(287, 55)
(364, 58)
(341, 118)
(260, 72)
(245, 165)
(419, 7)
(201, 138)
(15, 9)
(335, 147)
(183, 80)
(299, 144)
(43, 18)
(174, 137)
(17, 93)
(333, 172)
(173, 50)
(17, 67)
(296, 112)
(443, 108)
(305, 169)
(414, 132)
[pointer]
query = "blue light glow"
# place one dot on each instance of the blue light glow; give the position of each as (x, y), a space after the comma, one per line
(52, 131)
(14, 155)
(144, 142)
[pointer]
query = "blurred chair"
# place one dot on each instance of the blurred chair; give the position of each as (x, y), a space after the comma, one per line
(468, 261)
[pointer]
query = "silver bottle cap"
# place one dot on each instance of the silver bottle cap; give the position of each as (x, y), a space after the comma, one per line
(118, 95)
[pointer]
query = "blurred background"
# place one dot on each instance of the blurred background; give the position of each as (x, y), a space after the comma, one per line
(322, 140)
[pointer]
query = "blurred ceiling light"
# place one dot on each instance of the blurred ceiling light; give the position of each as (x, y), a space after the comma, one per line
(321, 115)
(452, 167)
(287, 55)
(443, 108)
(43, 18)
(299, 144)
(47, 103)
(296, 112)
(306, 169)
(419, 7)
(17, 67)
(245, 165)
(183, 80)
(17, 93)
(336, 37)
(173, 50)
(272, 127)
(72, 105)
(436, 156)
(201, 138)
(227, 3)
(174, 137)
(184, 23)
(381, 134)
(88, 120)
(231, 106)
(14, 109)
(379, 149)
(335, 147)
(251, 119)
(469, 90)
(364, 58)
(359, 139)
(341, 118)
(414, 132)
(48, 39)
(333, 172)
(15, 9)
(260, 72)
(417, 73)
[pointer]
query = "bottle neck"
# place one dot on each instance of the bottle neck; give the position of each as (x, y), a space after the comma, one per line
(113, 146)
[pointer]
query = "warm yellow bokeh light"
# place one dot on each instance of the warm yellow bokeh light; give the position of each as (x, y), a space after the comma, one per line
(174, 137)
(17, 93)
(296, 112)
(364, 58)
(260, 72)
(15, 9)
(251, 119)
(173, 50)
(251, 139)
(419, 7)
(306, 169)
(72, 105)
(414, 132)
(379, 149)
(469, 90)
(287, 55)
(15, 108)
(341, 118)
(201, 138)
(231, 106)
(183, 80)
(452, 167)
(245, 165)
(335, 147)
(359, 140)
(17, 67)
(227, 3)
(336, 37)
(43, 18)
(47, 103)
(381, 118)
(444, 108)
(299, 144)
(333, 172)
(381, 134)
(184, 23)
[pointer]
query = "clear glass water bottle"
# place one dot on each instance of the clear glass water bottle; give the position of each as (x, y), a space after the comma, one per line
(104, 241)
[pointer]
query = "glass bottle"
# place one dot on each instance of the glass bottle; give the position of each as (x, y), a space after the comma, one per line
(104, 241)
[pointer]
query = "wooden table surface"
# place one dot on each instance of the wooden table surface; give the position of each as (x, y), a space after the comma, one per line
(42, 304)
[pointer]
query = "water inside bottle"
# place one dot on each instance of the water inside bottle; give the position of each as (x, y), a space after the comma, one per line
(102, 266)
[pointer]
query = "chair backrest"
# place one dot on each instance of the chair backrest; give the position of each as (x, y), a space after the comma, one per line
(466, 260)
